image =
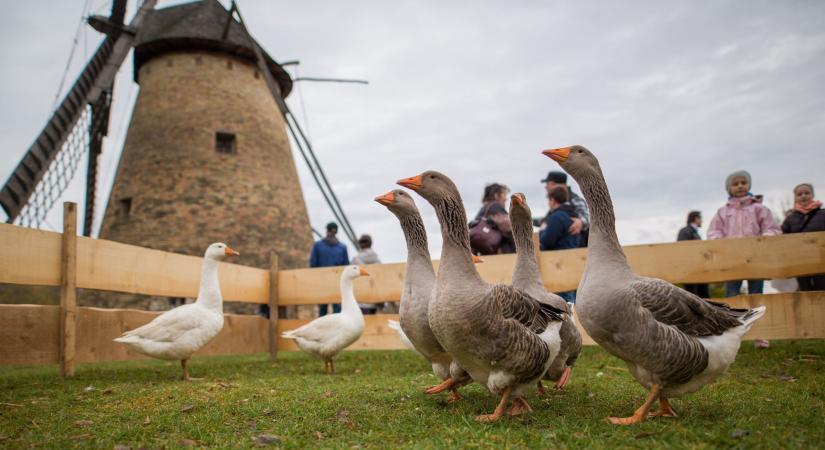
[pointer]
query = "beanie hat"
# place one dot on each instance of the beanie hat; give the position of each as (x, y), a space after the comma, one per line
(739, 173)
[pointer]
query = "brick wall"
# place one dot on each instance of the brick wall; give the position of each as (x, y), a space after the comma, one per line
(174, 191)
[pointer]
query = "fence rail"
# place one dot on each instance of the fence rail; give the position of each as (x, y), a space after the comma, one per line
(31, 334)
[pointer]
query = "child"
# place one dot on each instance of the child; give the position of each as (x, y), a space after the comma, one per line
(807, 215)
(555, 235)
(742, 216)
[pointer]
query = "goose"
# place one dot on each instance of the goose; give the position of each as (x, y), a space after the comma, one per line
(672, 341)
(419, 289)
(501, 336)
(180, 332)
(326, 336)
(527, 277)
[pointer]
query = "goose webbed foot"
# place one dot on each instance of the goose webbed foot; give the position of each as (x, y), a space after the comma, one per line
(519, 407)
(640, 414)
(499, 411)
(565, 378)
(540, 388)
(186, 376)
(454, 396)
(441, 387)
(665, 410)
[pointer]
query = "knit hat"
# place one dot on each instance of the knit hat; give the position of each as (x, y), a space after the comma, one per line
(556, 177)
(739, 173)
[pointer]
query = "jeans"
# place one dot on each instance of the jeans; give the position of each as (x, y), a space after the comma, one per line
(732, 288)
(569, 296)
(322, 309)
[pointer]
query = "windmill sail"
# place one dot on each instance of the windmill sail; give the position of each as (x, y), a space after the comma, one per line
(49, 164)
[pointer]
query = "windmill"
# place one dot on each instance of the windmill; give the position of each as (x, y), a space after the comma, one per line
(173, 46)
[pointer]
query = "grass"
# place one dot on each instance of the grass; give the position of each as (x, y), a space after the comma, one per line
(769, 399)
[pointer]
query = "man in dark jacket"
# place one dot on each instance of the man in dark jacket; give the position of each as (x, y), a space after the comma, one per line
(327, 252)
(580, 225)
(555, 233)
(691, 233)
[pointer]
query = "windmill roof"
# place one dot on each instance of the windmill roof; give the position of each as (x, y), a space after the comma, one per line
(198, 26)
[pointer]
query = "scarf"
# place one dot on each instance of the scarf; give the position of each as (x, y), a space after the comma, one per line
(805, 209)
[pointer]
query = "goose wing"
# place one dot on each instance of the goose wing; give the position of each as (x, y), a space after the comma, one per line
(692, 315)
(169, 326)
(521, 307)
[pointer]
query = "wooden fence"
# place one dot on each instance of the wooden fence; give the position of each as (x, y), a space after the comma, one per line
(66, 334)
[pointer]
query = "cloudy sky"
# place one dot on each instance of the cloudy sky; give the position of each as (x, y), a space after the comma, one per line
(671, 96)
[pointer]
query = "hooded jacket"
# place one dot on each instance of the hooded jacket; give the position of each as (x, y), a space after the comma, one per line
(740, 217)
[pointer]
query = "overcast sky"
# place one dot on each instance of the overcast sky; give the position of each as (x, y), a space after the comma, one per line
(671, 96)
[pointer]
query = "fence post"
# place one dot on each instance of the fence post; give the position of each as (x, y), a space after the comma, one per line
(68, 290)
(273, 305)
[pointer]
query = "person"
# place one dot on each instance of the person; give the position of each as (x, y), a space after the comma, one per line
(691, 233)
(581, 220)
(742, 216)
(555, 234)
(807, 215)
(366, 255)
(329, 252)
(494, 209)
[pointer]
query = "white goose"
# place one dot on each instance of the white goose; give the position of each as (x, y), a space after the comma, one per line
(180, 332)
(326, 336)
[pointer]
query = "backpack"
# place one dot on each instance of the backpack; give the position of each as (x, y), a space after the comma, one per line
(485, 237)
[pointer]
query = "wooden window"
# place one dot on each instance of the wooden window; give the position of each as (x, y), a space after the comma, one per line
(224, 142)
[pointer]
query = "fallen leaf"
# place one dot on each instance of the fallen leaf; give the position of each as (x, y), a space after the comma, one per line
(599, 374)
(82, 437)
(787, 378)
(267, 439)
(590, 395)
(343, 416)
(122, 447)
(186, 442)
(740, 433)
(147, 420)
(267, 412)
(645, 434)
(251, 424)
(187, 408)
(319, 435)
(357, 371)
(89, 388)
(3, 437)
(328, 394)
(107, 391)
(84, 423)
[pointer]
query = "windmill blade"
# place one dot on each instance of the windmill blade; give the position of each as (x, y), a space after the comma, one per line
(67, 129)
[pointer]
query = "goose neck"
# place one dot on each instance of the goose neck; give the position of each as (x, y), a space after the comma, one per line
(603, 244)
(209, 292)
(456, 256)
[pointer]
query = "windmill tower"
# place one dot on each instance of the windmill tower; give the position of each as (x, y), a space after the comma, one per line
(206, 157)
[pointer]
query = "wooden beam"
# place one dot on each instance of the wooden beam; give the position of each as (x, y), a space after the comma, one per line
(273, 305)
(68, 291)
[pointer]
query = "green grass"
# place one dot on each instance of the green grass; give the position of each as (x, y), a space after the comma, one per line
(375, 401)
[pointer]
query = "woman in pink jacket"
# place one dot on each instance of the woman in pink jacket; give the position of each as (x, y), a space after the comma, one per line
(742, 216)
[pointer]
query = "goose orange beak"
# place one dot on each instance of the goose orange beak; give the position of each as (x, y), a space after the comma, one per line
(413, 183)
(558, 155)
(477, 259)
(363, 272)
(229, 252)
(517, 198)
(385, 199)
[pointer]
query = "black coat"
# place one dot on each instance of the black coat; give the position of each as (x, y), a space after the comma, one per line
(800, 223)
(688, 233)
